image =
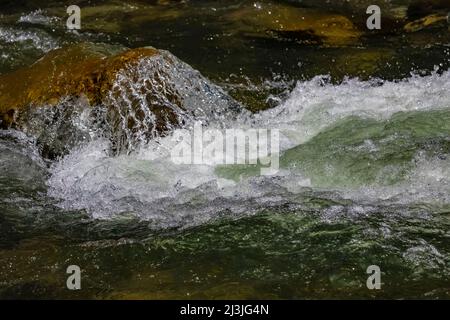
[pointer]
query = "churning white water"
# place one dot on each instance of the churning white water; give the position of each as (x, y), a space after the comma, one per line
(147, 184)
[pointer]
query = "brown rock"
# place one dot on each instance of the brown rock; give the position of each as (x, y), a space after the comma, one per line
(72, 71)
(128, 96)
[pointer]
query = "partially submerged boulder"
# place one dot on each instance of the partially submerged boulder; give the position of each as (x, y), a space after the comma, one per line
(130, 96)
(116, 16)
(73, 71)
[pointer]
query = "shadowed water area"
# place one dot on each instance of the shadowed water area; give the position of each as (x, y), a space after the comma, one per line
(87, 180)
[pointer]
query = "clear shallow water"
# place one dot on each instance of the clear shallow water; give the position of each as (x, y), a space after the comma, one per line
(364, 180)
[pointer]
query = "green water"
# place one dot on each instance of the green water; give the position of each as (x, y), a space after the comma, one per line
(363, 151)
(377, 193)
(272, 255)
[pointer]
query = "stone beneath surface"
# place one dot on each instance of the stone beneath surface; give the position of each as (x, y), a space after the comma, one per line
(425, 22)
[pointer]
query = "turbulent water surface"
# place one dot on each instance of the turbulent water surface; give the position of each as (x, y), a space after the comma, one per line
(364, 173)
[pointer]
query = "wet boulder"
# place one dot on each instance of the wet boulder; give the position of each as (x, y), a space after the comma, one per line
(130, 96)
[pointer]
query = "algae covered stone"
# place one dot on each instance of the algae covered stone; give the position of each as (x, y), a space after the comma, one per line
(305, 25)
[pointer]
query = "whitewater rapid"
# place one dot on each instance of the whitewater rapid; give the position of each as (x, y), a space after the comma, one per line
(147, 184)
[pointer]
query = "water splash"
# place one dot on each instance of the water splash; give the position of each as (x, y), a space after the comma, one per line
(159, 94)
(38, 17)
(34, 39)
(148, 185)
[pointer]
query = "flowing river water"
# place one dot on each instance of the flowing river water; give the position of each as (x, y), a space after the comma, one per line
(364, 173)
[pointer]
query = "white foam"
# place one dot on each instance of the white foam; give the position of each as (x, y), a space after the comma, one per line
(38, 17)
(316, 104)
(37, 39)
(147, 184)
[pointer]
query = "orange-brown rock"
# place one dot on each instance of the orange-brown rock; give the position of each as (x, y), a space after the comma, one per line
(85, 91)
(73, 71)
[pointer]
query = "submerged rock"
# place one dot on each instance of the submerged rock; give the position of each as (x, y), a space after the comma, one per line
(362, 63)
(77, 70)
(304, 25)
(428, 21)
(421, 8)
(393, 12)
(130, 96)
(115, 17)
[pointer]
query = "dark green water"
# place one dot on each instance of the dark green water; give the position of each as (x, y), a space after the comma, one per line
(364, 180)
